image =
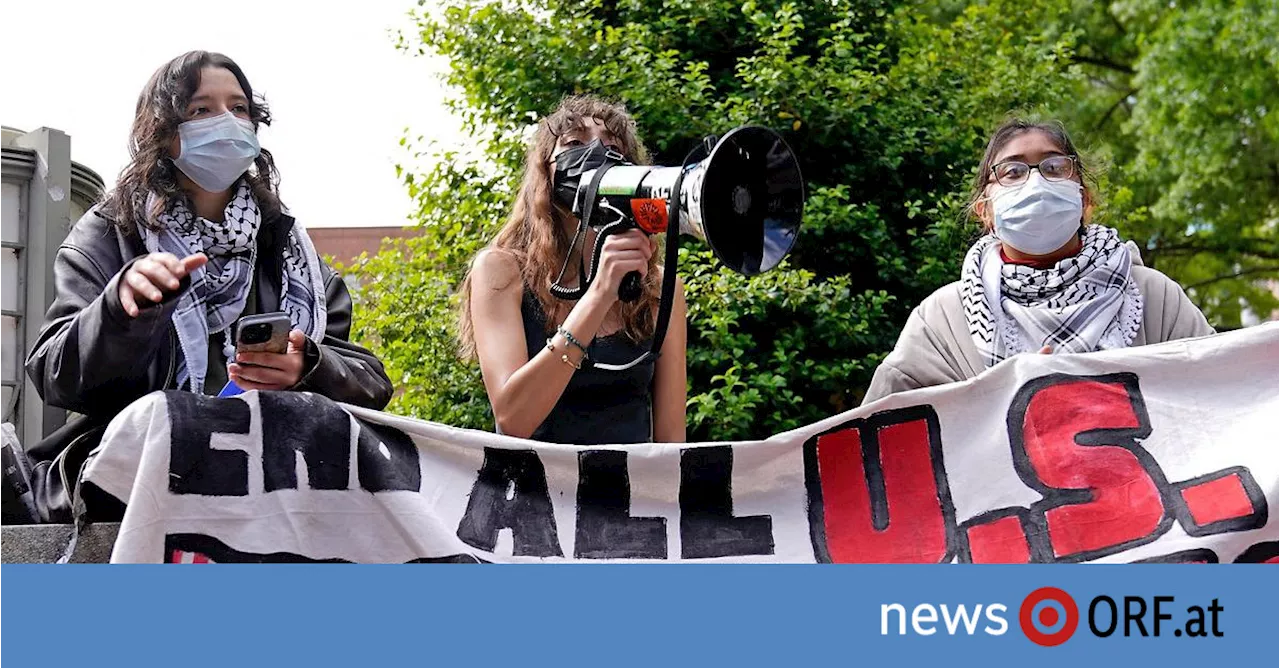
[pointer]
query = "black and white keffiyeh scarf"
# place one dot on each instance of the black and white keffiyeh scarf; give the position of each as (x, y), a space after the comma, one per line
(220, 289)
(1083, 303)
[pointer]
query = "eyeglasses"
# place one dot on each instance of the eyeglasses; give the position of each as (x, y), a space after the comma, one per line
(1055, 168)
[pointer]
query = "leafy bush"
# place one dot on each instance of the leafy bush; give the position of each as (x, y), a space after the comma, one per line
(888, 104)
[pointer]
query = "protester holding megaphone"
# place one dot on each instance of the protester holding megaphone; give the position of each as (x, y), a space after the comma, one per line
(1041, 280)
(543, 356)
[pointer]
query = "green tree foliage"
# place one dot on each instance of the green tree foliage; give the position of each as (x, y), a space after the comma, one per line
(888, 105)
(1181, 96)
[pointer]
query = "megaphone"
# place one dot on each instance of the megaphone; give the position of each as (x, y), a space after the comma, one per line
(744, 198)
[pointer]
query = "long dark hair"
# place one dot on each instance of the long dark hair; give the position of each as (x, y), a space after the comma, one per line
(162, 106)
(534, 233)
(1014, 126)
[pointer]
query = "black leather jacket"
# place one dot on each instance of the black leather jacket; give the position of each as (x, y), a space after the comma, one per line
(92, 358)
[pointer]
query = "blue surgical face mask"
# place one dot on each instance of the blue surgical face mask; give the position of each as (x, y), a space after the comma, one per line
(1040, 216)
(217, 151)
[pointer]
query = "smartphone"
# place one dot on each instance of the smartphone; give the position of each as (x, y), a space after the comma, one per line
(263, 333)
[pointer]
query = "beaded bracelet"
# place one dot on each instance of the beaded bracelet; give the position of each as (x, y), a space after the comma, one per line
(573, 341)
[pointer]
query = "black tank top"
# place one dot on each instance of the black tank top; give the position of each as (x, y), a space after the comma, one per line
(598, 407)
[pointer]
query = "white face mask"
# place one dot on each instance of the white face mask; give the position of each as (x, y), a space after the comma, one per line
(1040, 216)
(217, 151)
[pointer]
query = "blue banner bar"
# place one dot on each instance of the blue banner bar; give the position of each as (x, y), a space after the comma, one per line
(640, 615)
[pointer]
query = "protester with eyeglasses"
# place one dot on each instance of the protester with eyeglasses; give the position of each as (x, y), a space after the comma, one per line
(1042, 279)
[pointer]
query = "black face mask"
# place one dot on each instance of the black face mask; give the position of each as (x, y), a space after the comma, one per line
(574, 162)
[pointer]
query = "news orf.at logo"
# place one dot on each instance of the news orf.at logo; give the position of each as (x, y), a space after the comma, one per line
(1049, 616)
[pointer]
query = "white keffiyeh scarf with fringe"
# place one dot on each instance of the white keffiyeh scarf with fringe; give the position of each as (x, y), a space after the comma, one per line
(1083, 303)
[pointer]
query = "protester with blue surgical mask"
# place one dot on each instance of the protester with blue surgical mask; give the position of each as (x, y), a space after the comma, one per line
(1043, 279)
(151, 282)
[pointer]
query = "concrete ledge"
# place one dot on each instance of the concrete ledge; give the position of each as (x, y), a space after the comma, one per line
(45, 543)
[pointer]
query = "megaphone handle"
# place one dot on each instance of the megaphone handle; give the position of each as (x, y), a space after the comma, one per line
(630, 288)
(668, 279)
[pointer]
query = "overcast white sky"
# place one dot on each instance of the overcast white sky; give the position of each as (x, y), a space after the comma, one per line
(340, 92)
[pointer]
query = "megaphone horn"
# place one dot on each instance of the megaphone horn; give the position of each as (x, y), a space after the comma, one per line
(744, 199)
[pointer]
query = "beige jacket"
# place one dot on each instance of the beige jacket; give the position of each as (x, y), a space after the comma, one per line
(935, 346)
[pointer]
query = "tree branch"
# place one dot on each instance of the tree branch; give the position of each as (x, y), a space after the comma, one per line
(1102, 62)
(1238, 274)
(1104, 82)
(1107, 116)
(1260, 248)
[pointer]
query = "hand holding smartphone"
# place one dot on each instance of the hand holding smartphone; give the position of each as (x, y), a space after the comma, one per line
(269, 353)
(263, 333)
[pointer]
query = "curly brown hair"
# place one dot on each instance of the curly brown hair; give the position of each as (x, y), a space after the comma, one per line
(535, 235)
(161, 107)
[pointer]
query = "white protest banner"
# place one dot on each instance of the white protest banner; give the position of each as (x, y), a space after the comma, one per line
(1157, 453)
